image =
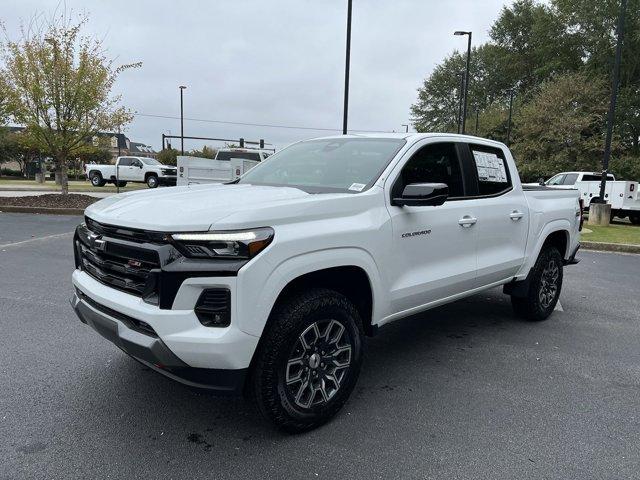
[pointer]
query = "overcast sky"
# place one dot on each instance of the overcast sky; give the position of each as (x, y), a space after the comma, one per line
(270, 62)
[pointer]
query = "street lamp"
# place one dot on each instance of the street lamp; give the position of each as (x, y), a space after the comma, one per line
(510, 113)
(182, 88)
(459, 122)
(612, 103)
(406, 128)
(346, 70)
(466, 82)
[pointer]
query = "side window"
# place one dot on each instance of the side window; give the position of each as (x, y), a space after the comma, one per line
(125, 162)
(570, 179)
(556, 180)
(434, 163)
(492, 170)
(135, 162)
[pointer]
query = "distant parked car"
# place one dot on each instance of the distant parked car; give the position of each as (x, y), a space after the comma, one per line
(131, 169)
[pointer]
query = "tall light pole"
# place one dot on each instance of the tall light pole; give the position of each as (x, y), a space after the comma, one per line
(182, 88)
(460, 101)
(510, 113)
(612, 103)
(466, 81)
(346, 70)
(477, 119)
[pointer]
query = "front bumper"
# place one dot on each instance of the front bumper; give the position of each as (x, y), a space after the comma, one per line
(169, 181)
(172, 342)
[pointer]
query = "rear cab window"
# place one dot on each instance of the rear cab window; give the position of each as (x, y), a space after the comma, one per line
(490, 169)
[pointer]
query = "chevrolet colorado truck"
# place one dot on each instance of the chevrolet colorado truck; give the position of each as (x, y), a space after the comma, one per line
(268, 285)
(132, 169)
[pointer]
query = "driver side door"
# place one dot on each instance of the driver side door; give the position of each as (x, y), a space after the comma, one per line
(434, 253)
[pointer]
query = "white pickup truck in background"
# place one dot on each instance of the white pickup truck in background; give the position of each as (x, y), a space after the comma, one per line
(131, 169)
(229, 164)
(268, 285)
(622, 195)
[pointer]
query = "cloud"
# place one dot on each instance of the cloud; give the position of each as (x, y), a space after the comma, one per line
(271, 62)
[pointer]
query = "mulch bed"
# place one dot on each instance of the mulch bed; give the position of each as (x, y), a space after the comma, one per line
(50, 200)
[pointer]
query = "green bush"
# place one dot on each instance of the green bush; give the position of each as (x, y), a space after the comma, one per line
(11, 173)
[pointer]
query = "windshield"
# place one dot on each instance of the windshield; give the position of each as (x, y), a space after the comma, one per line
(150, 161)
(327, 165)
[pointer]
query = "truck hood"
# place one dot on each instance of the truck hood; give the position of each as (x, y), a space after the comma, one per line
(199, 207)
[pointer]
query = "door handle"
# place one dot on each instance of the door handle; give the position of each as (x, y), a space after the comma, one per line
(467, 221)
(516, 215)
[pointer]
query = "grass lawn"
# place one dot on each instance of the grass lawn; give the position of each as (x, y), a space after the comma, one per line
(74, 185)
(614, 233)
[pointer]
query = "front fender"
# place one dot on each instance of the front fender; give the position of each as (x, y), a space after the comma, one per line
(260, 284)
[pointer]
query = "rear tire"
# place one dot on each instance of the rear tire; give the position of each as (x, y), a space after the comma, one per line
(308, 360)
(152, 181)
(544, 287)
(97, 180)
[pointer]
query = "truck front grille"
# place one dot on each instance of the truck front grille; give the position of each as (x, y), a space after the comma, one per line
(123, 265)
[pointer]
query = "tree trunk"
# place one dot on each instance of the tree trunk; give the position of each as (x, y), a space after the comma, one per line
(64, 177)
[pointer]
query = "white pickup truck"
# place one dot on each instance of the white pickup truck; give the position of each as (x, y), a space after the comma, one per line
(622, 195)
(131, 169)
(268, 285)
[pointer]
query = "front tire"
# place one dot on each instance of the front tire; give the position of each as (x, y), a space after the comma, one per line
(308, 361)
(544, 287)
(152, 181)
(97, 180)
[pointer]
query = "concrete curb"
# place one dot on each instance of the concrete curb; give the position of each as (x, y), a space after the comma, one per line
(610, 247)
(42, 210)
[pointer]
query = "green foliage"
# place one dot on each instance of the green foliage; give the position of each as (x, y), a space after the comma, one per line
(557, 57)
(625, 167)
(168, 156)
(561, 128)
(59, 86)
(205, 152)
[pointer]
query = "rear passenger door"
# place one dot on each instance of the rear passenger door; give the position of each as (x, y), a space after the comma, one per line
(502, 212)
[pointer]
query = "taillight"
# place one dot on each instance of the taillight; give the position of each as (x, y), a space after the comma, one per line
(581, 201)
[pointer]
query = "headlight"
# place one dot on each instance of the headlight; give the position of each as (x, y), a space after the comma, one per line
(229, 244)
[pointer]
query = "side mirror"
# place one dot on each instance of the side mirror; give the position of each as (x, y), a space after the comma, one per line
(541, 181)
(422, 195)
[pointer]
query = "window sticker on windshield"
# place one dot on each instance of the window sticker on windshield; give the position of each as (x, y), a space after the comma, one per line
(490, 167)
(357, 187)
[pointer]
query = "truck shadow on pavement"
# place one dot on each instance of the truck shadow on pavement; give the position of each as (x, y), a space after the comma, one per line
(403, 358)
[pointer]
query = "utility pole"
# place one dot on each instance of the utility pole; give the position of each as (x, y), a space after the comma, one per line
(346, 70)
(460, 99)
(510, 114)
(182, 88)
(466, 81)
(612, 103)
(477, 119)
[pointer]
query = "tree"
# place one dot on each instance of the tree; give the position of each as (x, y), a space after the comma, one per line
(168, 156)
(561, 128)
(206, 152)
(59, 86)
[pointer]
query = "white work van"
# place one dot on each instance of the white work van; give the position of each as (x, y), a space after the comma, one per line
(622, 195)
(229, 164)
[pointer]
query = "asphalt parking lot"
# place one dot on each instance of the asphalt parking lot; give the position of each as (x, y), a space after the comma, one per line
(463, 391)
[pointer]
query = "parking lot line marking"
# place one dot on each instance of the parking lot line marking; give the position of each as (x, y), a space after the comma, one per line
(559, 307)
(38, 239)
